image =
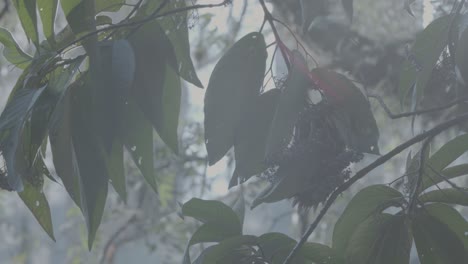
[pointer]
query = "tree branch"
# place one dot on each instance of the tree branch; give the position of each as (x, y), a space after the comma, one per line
(363, 172)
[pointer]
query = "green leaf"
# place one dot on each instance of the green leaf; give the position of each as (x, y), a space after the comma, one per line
(382, 238)
(229, 251)
(369, 201)
(80, 15)
(451, 218)
(109, 5)
(448, 173)
(461, 55)
(449, 196)
(47, 12)
(417, 69)
(12, 52)
(442, 158)
(117, 74)
(207, 211)
(317, 253)
(12, 122)
(436, 242)
(157, 88)
(219, 222)
(176, 28)
(63, 152)
(412, 171)
(27, 14)
(115, 165)
(90, 156)
(277, 246)
(351, 114)
(37, 203)
(250, 141)
(291, 103)
(234, 84)
(138, 140)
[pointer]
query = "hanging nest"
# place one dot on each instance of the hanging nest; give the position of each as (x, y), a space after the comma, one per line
(315, 162)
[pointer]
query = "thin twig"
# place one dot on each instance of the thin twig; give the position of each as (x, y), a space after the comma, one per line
(363, 172)
(271, 20)
(417, 112)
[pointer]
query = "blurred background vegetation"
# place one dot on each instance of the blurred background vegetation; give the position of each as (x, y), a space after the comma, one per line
(147, 228)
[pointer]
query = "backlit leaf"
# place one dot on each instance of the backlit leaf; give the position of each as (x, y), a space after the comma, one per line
(12, 52)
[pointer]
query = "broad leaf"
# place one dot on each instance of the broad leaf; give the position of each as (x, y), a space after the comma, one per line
(109, 5)
(446, 174)
(138, 140)
(230, 251)
(251, 137)
(176, 28)
(291, 102)
(47, 12)
(90, 156)
(417, 69)
(451, 218)
(12, 52)
(157, 88)
(12, 122)
(448, 153)
(117, 74)
(219, 222)
(235, 82)
(27, 14)
(115, 165)
(436, 242)
(382, 238)
(37, 203)
(369, 201)
(449, 196)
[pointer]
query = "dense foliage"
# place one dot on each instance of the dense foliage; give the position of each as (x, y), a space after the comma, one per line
(100, 86)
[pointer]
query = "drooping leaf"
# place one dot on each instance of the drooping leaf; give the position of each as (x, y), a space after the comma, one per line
(12, 122)
(230, 251)
(449, 173)
(412, 172)
(109, 5)
(448, 153)
(37, 203)
(290, 104)
(12, 52)
(138, 140)
(436, 242)
(417, 69)
(277, 246)
(63, 152)
(449, 196)
(381, 238)
(90, 157)
(207, 211)
(352, 114)
(367, 202)
(177, 30)
(219, 222)
(451, 218)
(27, 14)
(461, 55)
(47, 12)
(117, 74)
(251, 137)
(234, 84)
(157, 88)
(115, 165)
